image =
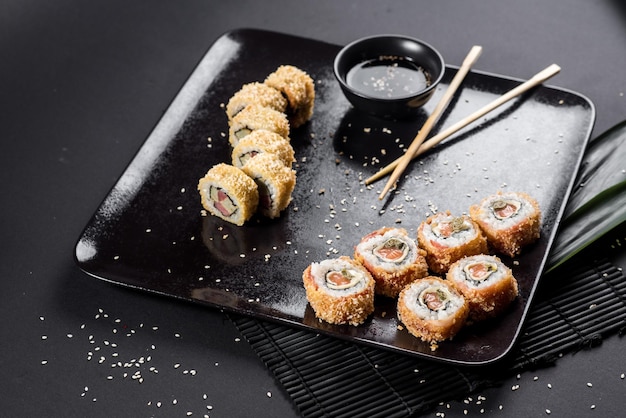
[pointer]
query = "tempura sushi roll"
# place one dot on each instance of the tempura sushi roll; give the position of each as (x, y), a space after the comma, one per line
(255, 93)
(275, 183)
(432, 310)
(298, 88)
(262, 141)
(393, 259)
(509, 220)
(256, 117)
(447, 238)
(340, 290)
(486, 283)
(228, 193)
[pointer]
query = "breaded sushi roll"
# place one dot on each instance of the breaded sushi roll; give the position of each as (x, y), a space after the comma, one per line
(228, 193)
(340, 290)
(486, 283)
(256, 117)
(432, 309)
(275, 183)
(262, 141)
(299, 90)
(509, 220)
(447, 238)
(255, 93)
(393, 259)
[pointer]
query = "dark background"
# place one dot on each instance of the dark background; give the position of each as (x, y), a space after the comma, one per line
(82, 84)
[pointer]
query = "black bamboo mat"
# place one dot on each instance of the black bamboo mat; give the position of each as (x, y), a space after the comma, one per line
(576, 306)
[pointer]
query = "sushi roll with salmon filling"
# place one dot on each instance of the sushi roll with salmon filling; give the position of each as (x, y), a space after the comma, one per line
(432, 309)
(340, 291)
(509, 220)
(228, 193)
(262, 141)
(275, 183)
(255, 93)
(298, 88)
(255, 117)
(447, 238)
(393, 259)
(486, 283)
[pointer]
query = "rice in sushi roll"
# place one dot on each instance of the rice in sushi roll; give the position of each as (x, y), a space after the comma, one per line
(340, 290)
(255, 117)
(486, 283)
(275, 183)
(509, 220)
(228, 193)
(432, 309)
(255, 93)
(261, 141)
(393, 259)
(298, 88)
(447, 238)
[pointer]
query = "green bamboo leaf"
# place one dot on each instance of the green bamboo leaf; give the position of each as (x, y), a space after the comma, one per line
(603, 166)
(588, 226)
(598, 202)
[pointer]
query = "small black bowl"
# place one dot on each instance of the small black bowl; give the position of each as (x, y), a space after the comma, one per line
(390, 76)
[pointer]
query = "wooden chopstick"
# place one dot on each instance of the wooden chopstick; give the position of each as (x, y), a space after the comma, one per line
(537, 79)
(468, 62)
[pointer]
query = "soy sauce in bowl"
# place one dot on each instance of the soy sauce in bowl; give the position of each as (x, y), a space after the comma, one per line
(388, 77)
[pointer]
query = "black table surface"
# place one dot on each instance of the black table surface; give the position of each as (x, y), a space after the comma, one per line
(82, 84)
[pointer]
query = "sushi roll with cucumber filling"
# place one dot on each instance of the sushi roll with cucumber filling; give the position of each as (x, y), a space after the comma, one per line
(255, 117)
(299, 90)
(447, 238)
(275, 183)
(255, 94)
(263, 141)
(228, 193)
(510, 221)
(393, 259)
(340, 290)
(432, 310)
(486, 283)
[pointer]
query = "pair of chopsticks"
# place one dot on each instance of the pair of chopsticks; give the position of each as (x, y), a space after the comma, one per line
(418, 146)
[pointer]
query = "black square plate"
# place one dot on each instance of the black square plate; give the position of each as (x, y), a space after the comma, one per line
(149, 233)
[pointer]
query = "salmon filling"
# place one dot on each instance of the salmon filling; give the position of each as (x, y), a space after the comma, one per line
(480, 271)
(503, 209)
(393, 250)
(344, 279)
(434, 298)
(222, 202)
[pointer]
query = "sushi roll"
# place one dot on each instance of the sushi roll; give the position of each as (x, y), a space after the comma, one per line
(255, 93)
(432, 310)
(261, 141)
(509, 220)
(340, 290)
(255, 117)
(486, 283)
(447, 238)
(393, 259)
(228, 193)
(298, 88)
(275, 183)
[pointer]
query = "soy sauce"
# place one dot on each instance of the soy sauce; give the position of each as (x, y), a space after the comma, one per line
(388, 77)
